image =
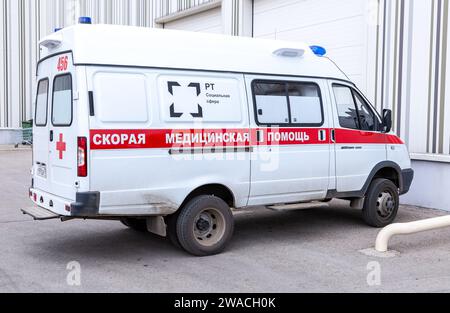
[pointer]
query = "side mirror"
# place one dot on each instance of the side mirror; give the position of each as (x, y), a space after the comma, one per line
(387, 120)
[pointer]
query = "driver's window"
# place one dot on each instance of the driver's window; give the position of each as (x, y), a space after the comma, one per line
(366, 115)
(353, 110)
(348, 115)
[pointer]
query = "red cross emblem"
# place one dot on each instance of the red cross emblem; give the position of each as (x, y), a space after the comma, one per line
(61, 146)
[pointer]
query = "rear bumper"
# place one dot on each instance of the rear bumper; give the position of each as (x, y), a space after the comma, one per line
(52, 203)
(407, 179)
(87, 204)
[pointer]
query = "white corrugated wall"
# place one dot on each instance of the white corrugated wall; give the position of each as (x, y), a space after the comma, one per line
(409, 49)
(24, 22)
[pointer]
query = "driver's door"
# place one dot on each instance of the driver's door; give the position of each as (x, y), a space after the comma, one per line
(360, 143)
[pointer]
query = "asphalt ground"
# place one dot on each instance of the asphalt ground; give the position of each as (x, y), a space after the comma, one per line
(312, 250)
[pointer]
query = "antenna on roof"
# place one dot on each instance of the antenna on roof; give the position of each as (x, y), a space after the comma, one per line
(338, 67)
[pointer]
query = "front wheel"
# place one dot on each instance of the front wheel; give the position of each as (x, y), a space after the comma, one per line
(205, 226)
(381, 204)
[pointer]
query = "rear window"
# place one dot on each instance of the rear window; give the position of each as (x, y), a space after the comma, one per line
(62, 101)
(41, 103)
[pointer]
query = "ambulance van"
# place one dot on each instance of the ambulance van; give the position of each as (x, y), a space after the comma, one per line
(170, 132)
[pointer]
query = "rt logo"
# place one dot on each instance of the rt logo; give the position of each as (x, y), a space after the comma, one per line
(173, 113)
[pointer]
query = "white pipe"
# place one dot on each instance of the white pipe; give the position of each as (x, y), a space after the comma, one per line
(409, 228)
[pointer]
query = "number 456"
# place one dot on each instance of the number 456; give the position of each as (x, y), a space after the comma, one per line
(63, 64)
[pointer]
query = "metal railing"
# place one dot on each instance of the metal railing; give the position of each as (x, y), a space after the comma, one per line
(409, 228)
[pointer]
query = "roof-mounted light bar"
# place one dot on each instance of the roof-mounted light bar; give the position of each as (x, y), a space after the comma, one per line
(319, 51)
(289, 52)
(85, 20)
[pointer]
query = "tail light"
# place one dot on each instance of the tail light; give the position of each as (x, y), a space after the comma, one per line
(82, 157)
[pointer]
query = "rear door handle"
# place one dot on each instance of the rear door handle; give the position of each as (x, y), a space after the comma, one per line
(51, 136)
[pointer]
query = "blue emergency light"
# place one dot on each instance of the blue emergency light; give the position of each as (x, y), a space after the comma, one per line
(58, 29)
(85, 20)
(319, 51)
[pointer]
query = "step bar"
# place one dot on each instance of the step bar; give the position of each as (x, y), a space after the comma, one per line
(40, 214)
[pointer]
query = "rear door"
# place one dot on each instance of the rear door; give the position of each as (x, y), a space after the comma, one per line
(41, 131)
(55, 141)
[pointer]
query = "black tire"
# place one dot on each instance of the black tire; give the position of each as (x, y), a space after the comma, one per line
(139, 225)
(171, 223)
(205, 226)
(381, 204)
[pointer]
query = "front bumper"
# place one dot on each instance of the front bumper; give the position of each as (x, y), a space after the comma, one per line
(407, 179)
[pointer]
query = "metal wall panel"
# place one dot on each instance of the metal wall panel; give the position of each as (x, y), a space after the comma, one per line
(403, 63)
(24, 22)
(413, 72)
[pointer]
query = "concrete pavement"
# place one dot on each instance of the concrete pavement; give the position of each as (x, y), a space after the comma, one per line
(299, 251)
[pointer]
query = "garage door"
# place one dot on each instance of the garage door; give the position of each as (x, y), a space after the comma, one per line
(338, 25)
(209, 21)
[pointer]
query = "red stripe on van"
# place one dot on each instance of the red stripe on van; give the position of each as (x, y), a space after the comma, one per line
(394, 140)
(168, 138)
(191, 138)
(346, 136)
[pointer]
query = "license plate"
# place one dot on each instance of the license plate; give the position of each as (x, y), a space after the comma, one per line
(42, 171)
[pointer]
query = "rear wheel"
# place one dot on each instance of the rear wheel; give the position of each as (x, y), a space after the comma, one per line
(205, 226)
(139, 225)
(381, 204)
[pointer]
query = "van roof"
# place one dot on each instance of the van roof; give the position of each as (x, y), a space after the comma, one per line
(159, 48)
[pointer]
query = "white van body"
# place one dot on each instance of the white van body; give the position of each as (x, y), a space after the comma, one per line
(135, 122)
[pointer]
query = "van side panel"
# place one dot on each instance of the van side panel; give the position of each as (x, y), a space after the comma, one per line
(156, 136)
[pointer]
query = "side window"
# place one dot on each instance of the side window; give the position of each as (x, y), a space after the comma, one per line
(348, 115)
(305, 104)
(62, 101)
(366, 115)
(288, 103)
(41, 104)
(271, 103)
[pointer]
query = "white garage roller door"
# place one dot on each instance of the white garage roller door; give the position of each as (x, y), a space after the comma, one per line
(340, 26)
(208, 21)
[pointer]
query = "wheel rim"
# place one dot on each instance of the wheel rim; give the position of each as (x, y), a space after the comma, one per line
(386, 204)
(209, 227)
